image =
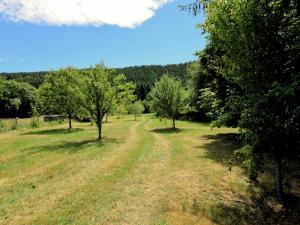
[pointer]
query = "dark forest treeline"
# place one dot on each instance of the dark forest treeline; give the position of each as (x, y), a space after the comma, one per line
(143, 76)
(33, 78)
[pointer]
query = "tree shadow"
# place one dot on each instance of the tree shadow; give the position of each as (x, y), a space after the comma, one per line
(224, 214)
(259, 212)
(220, 147)
(73, 146)
(263, 208)
(167, 130)
(53, 131)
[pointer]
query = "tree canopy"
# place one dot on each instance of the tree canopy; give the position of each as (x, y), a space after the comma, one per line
(17, 99)
(264, 79)
(60, 93)
(168, 98)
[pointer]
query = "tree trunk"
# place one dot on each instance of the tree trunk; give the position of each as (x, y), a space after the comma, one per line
(99, 125)
(173, 123)
(70, 121)
(106, 117)
(278, 178)
(100, 130)
(135, 117)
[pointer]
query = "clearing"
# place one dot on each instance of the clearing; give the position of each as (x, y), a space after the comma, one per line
(142, 173)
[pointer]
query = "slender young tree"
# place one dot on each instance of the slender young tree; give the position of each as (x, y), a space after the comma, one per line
(168, 98)
(99, 94)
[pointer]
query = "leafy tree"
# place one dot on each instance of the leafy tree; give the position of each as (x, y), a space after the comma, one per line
(99, 93)
(17, 99)
(268, 78)
(137, 108)
(124, 96)
(168, 98)
(60, 93)
(209, 102)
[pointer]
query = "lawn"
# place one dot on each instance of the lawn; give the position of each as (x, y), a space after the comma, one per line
(141, 173)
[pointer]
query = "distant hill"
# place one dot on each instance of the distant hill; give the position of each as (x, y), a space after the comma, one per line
(143, 76)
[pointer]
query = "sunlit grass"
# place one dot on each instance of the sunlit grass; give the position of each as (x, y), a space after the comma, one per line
(142, 173)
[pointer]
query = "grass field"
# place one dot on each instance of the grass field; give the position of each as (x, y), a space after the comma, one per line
(142, 173)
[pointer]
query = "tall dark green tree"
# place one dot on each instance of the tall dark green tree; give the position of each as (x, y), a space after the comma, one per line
(260, 46)
(17, 99)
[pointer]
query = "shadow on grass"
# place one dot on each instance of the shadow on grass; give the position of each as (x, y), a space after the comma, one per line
(53, 131)
(263, 208)
(73, 146)
(220, 147)
(258, 213)
(167, 130)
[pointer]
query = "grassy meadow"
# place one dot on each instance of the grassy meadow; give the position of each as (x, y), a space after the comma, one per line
(141, 173)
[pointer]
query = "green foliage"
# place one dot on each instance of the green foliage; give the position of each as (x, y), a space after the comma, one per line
(121, 110)
(60, 94)
(137, 108)
(209, 102)
(125, 94)
(17, 99)
(168, 98)
(99, 93)
(205, 75)
(143, 77)
(33, 78)
(266, 101)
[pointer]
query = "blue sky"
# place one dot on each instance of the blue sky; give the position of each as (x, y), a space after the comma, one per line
(169, 36)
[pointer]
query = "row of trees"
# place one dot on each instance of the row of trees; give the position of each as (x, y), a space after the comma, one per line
(89, 94)
(144, 77)
(93, 94)
(248, 76)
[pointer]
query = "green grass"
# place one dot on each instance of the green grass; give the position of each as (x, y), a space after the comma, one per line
(141, 173)
(20, 124)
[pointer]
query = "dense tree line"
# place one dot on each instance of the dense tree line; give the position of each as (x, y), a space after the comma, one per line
(35, 79)
(143, 76)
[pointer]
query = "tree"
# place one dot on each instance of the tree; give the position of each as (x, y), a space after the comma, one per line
(268, 77)
(209, 102)
(137, 108)
(60, 93)
(124, 95)
(99, 93)
(168, 98)
(17, 99)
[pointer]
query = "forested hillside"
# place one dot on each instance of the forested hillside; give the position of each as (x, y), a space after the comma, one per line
(143, 76)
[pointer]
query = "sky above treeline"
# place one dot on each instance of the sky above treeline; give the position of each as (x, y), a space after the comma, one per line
(37, 35)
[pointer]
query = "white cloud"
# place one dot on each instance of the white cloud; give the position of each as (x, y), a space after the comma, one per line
(123, 13)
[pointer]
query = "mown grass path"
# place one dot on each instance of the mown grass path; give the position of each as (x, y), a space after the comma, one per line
(142, 173)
